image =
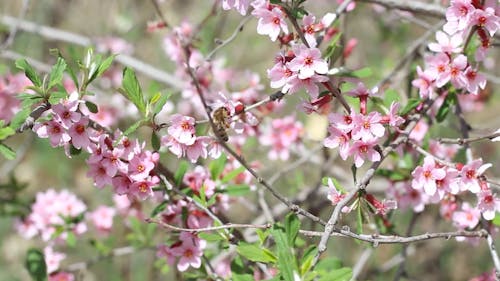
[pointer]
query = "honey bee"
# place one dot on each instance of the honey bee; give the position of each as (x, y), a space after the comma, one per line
(221, 124)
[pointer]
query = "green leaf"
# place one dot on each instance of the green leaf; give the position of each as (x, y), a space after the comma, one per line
(56, 97)
(443, 111)
(341, 274)
(307, 258)
(211, 237)
(155, 141)
(105, 65)
(362, 73)
(158, 209)
(179, 174)
(292, 226)
(394, 175)
(19, 118)
(29, 71)
(217, 166)
(328, 264)
(92, 107)
(496, 219)
(6, 132)
(35, 264)
(412, 103)
(158, 105)
(132, 90)
(287, 263)
(242, 277)
(231, 175)
(255, 253)
(390, 96)
(236, 189)
(56, 73)
(332, 46)
(359, 219)
(71, 239)
(133, 127)
(7, 152)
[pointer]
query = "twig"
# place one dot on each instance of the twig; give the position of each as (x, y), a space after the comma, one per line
(160, 13)
(358, 267)
(463, 141)
(13, 28)
(411, 6)
(425, 153)
(207, 229)
(65, 36)
(229, 39)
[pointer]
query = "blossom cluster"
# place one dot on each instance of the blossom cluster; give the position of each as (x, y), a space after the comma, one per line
(449, 64)
(281, 135)
(10, 86)
(126, 165)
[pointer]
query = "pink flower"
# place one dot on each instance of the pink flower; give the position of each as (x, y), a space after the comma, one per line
(366, 127)
(363, 150)
(141, 189)
(418, 133)
(424, 83)
(307, 62)
(475, 80)
(467, 218)
(456, 74)
(470, 172)
(279, 74)
(281, 135)
(66, 113)
(189, 253)
(488, 204)
(271, 22)
(447, 44)
(197, 149)
(183, 129)
(333, 194)
(310, 29)
(101, 174)
(240, 5)
(439, 68)
(79, 134)
(52, 130)
(425, 176)
(102, 218)
(61, 276)
(486, 18)
(458, 16)
(294, 84)
(394, 119)
(338, 138)
(140, 166)
(341, 121)
(52, 259)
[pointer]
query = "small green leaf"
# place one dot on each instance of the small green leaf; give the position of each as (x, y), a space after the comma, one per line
(155, 141)
(292, 226)
(19, 118)
(307, 258)
(158, 209)
(242, 277)
(231, 175)
(56, 97)
(211, 237)
(179, 174)
(7, 152)
(390, 96)
(328, 264)
(341, 274)
(132, 90)
(92, 107)
(236, 189)
(255, 253)
(29, 71)
(412, 103)
(496, 219)
(6, 132)
(287, 262)
(394, 175)
(217, 166)
(35, 264)
(158, 105)
(332, 46)
(443, 111)
(105, 65)
(71, 239)
(362, 73)
(56, 73)
(133, 127)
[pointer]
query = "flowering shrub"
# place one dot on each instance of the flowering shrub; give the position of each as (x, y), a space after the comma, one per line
(216, 141)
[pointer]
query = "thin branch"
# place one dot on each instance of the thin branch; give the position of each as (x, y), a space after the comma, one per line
(13, 28)
(160, 13)
(425, 153)
(411, 6)
(207, 229)
(229, 39)
(73, 38)
(463, 141)
(358, 267)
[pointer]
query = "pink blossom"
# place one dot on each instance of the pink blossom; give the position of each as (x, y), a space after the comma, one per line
(350, 6)
(10, 86)
(338, 138)
(61, 276)
(52, 259)
(307, 62)
(439, 68)
(425, 176)
(279, 74)
(366, 127)
(79, 134)
(488, 204)
(114, 45)
(470, 172)
(486, 18)
(443, 151)
(394, 119)
(446, 44)
(310, 29)
(294, 84)
(363, 150)
(271, 22)
(183, 129)
(141, 189)
(197, 149)
(140, 166)
(467, 218)
(189, 253)
(281, 135)
(456, 73)
(102, 218)
(475, 80)
(424, 83)
(333, 194)
(101, 174)
(66, 113)
(342, 121)
(240, 5)
(52, 130)
(419, 131)
(121, 184)
(458, 16)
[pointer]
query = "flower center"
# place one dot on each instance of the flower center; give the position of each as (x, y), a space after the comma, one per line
(488, 199)
(308, 61)
(188, 253)
(366, 125)
(471, 75)
(363, 148)
(276, 20)
(470, 174)
(80, 129)
(185, 125)
(427, 174)
(141, 168)
(143, 187)
(481, 20)
(347, 119)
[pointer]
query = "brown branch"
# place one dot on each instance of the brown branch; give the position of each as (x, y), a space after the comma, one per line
(464, 141)
(411, 6)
